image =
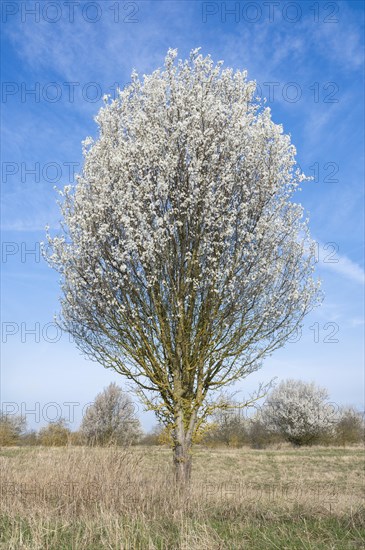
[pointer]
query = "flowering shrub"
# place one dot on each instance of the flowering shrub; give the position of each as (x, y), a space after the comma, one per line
(300, 412)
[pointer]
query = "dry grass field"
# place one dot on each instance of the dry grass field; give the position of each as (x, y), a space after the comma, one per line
(124, 499)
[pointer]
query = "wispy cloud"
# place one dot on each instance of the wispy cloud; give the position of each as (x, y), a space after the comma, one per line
(347, 268)
(357, 322)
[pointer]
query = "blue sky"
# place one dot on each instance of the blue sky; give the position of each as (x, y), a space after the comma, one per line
(307, 58)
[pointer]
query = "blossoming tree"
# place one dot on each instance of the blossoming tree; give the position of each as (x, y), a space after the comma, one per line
(111, 419)
(300, 412)
(184, 261)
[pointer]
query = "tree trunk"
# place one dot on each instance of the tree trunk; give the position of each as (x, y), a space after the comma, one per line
(182, 453)
(182, 463)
